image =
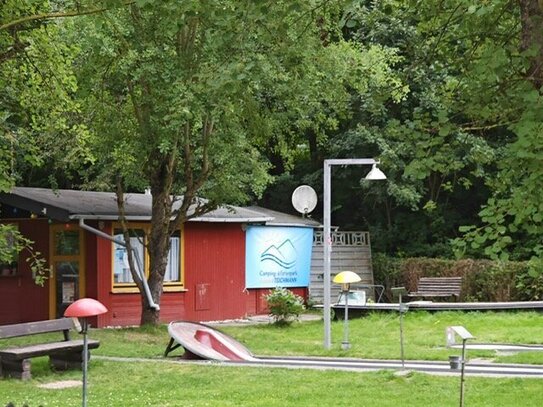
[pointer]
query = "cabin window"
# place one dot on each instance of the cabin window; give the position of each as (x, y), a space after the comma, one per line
(121, 268)
(173, 268)
(122, 277)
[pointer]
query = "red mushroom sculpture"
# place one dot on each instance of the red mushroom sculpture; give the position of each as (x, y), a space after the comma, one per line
(82, 309)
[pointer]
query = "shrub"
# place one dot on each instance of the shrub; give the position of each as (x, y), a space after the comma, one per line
(284, 305)
(483, 280)
(529, 283)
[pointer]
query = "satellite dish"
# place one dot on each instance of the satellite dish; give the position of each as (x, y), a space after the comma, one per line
(304, 199)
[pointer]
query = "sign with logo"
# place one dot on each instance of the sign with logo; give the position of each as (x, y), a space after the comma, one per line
(277, 256)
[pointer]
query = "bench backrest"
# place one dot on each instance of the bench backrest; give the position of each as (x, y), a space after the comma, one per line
(39, 327)
(440, 284)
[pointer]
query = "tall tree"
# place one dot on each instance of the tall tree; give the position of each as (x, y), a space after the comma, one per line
(36, 107)
(178, 95)
(468, 130)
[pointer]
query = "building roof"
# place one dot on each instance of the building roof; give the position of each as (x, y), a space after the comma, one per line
(65, 204)
(284, 219)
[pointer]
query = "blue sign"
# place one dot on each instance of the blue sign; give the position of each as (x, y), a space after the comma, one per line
(277, 256)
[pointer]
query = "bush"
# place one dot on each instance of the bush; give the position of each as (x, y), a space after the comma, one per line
(529, 283)
(483, 280)
(284, 305)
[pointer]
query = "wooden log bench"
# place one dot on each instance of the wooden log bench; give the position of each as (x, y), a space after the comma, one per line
(428, 287)
(63, 355)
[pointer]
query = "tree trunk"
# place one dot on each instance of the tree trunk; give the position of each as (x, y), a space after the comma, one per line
(531, 16)
(159, 238)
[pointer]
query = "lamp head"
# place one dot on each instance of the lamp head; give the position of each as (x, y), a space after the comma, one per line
(375, 173)
(85, 307)
(346, 278)
(397, 291)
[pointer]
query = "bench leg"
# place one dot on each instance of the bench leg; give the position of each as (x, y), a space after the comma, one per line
(18, 369)
(65, 361)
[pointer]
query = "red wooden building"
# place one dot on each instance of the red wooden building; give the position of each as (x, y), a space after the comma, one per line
(205, 279)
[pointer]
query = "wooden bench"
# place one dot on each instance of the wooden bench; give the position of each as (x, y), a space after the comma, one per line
(65, 354)
(428, 287)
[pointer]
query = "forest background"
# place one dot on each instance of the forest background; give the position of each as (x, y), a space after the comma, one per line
(445, 93)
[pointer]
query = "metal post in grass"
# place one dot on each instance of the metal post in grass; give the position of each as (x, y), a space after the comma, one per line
(346, 278)
(402, 308)
(83, 309)
(374, 174)
(465, 336)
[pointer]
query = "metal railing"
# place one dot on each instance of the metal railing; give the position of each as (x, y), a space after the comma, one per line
(343, 239)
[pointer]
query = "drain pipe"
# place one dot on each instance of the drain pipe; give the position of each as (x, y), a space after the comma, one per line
(97, 232)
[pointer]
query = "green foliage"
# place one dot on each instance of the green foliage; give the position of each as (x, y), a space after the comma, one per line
(39, 118)
(12, 243)
(462, 145)
(284, 306)
(529, 284)
(387, 271)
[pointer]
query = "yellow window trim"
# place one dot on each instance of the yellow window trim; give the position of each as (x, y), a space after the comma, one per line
(53, 259)
(173, 286)
(134, 290)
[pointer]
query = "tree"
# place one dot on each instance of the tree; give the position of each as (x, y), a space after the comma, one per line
(466, 134)
(36, 106)
(177, 96)
(430, 156)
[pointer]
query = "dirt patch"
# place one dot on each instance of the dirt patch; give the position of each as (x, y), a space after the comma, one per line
(64, 384)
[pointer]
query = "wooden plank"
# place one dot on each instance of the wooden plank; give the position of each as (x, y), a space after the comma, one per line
(46, 349)
(34, 328)
(438, 287)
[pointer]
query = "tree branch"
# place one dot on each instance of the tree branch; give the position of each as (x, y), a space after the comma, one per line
(52, 16)
(119, 192)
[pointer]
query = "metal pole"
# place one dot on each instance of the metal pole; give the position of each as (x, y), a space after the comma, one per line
(463, 363)
(401, 334)
(85, 361)
(345, 344)
(327, 248)
(327, 191)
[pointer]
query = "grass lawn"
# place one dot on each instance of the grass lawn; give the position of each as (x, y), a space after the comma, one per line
(159, 383)
(375, 336)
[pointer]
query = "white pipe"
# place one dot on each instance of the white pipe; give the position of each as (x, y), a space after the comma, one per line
(146, 289)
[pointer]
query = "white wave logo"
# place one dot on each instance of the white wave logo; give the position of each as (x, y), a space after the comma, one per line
(276, 258)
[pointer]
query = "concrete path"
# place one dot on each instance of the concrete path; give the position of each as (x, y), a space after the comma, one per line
(360, 365)
(258, 319)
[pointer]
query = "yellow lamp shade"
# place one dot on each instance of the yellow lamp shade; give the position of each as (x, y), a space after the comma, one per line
(346, 277)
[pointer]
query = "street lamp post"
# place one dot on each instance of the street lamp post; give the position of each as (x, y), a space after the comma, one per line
(83, 309)
(402, 308)
(374, 174)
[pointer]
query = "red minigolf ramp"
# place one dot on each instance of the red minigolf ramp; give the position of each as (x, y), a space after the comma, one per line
(203, 342)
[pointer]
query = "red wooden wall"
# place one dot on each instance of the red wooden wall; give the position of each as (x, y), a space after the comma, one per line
(21, 300)
(214, 271)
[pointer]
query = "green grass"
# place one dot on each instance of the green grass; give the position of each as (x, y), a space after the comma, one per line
(159, 383)
(377, 336)
(163, 384)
